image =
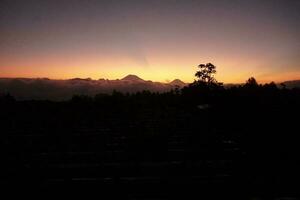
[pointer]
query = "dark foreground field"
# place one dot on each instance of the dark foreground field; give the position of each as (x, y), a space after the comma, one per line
(235, 144)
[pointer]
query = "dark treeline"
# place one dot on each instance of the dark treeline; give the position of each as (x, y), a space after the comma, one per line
(241, 141)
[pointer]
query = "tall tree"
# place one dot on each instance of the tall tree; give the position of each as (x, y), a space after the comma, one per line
(206, 73)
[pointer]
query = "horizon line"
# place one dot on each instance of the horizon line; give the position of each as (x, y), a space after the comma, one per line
(120, 79)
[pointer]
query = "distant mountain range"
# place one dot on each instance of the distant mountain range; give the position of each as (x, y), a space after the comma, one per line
(292, 84)
(44, 88)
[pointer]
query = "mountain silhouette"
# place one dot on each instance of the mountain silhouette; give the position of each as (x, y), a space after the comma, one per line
(132, 77)
(52, 89)
(292, 84)
(178, 82)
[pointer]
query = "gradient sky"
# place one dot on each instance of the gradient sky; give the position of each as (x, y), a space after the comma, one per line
(155, 39)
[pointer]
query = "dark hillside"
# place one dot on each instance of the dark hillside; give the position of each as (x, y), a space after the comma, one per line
(242, 141)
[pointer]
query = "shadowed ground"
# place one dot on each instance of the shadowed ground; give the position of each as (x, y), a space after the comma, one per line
(155, 146)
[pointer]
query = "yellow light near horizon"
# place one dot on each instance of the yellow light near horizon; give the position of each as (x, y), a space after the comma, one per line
(157, 70)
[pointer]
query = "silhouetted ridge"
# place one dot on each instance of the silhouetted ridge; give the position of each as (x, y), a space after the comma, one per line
(80, 79)
(178, 82)
(292, 84)
(131, 77)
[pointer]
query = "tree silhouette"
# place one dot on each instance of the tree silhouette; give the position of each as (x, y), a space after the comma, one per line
(205, 88)
(251, 83)
(206, 73)
(270, 86)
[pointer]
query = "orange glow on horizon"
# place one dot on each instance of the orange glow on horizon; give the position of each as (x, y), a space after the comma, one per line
(159, 67)
(159, 74)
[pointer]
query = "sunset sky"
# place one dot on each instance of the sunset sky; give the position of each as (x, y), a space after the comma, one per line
(158, 40)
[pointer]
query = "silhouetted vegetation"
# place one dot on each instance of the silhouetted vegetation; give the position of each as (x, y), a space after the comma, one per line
(241, 140)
